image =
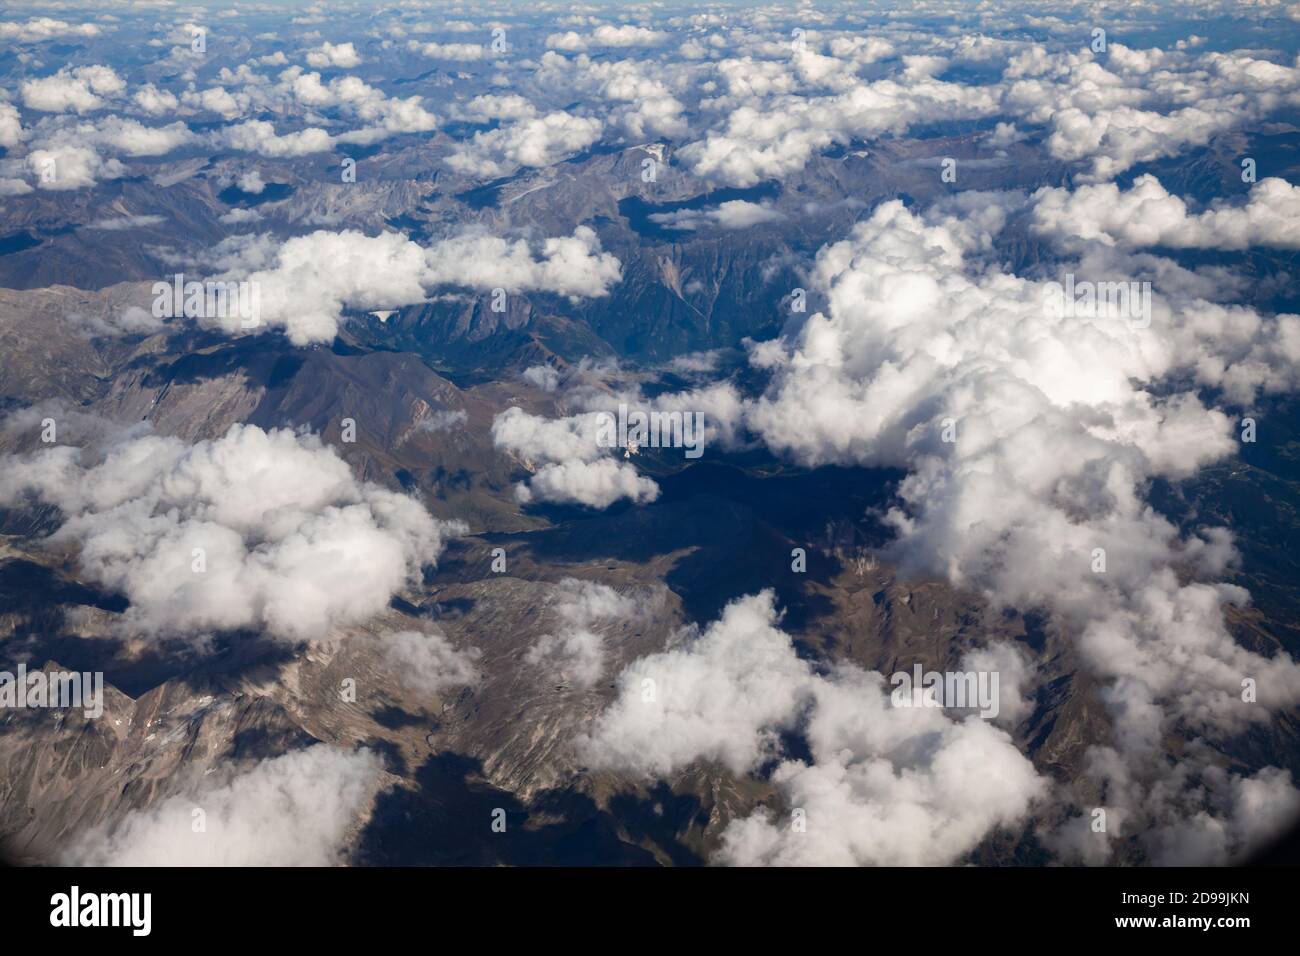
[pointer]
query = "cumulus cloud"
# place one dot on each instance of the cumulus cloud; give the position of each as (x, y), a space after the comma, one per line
(1055, 430)
(67, 153)
(642, 102)
(778, 136)
(294, 810)
(861, 49)
(1136, 106)
(571, 266)
(154, 101)
(596, 484)
(251, 182)
(569, 466)
(239, 217)
(489, 106)
(115, 134)
(342, 55)
(135, 139)
(1148, 215)
(38, 29)
(67, 166)
(305, 284)
(725, 697)
(735, 214)
(543, 376)
(256, 529)
(539, 141)
(11, 127)
(607, 36)
(886, 785)
(383, 115)
(259, 136)
(459, 52)
(72, 89)
(545, 439)
(219, 100)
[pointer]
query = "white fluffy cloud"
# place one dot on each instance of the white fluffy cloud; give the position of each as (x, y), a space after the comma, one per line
(571, 266)
(256, 529)
(489, 106)
(735, 214)
(154, 101)
(259, 136)
(606, 36)
(383, 115)
(38, 29)
(1134, 106)
(305, 284)
(11, 128)
(72, 89)
(725, 697)
(294, 810)
(459, 52)
(565, 455)
(70, 153)
(342, 55)
(1148, 215)
(539, 141)
(67, 166)
(1055, 436)
(568, 464)
(596, 484)
(887, 785)
(777, 136)
(115, 134)
(642, 102)
(133, 138)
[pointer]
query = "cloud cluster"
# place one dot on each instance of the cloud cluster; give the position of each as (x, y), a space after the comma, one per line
(68, 152)
(67, 166)
(565, 454)
(259, 136)
(305, 285)
(641, 100)
(1146, 214)
(460, 52)
(777, 135)
(72, 89)
(116, 134)
(568, 464)
(38, 29)
(294, 810)
(1133, 106)
(886, 785)
(606, 36)
(537, 141)
(1028, 437)
(253, 530)
(383, 115)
